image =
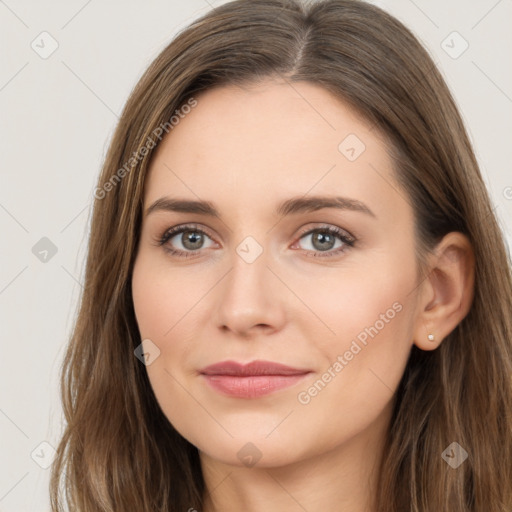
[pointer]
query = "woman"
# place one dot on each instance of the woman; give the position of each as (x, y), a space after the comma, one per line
(297, 295)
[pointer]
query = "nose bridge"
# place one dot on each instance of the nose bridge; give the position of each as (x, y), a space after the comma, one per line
(249, 295)
(249, 274)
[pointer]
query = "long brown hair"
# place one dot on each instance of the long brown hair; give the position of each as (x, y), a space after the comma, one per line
(118, 451)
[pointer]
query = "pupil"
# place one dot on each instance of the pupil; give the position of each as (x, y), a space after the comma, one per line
(191, 237)
(323, 237)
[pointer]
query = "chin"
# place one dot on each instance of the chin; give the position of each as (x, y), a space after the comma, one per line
(258, 453)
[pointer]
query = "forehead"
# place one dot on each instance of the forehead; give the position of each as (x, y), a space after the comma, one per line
(273, 120)
(269, 141)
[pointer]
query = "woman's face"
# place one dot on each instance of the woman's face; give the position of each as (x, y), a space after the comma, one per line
(264, 281)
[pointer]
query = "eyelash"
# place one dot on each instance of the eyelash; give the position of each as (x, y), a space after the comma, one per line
(347, 240)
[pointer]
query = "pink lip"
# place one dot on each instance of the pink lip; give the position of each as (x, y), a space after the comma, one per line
(252, 380)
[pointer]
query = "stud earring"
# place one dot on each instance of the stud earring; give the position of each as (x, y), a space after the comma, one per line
(430, 337)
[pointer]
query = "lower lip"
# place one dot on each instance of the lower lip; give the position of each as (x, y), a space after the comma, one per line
(252, 386)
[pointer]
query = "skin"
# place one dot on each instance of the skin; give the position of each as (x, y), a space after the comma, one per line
(245, 150)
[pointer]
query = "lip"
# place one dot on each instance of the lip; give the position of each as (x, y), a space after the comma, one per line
(252, 380)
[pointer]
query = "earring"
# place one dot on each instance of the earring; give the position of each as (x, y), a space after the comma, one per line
(430, 337)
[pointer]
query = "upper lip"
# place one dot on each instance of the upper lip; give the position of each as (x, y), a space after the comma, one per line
(253, 368)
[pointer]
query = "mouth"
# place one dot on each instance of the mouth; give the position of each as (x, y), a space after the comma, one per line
(252, 380)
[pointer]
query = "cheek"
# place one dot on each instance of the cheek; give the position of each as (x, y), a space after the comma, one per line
(367, 303)
(161, 313)
(372, 316)
(162, 297)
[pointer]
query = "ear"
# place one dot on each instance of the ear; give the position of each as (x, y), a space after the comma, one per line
(447, 292)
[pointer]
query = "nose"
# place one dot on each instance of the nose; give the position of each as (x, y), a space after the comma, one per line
(251, 298)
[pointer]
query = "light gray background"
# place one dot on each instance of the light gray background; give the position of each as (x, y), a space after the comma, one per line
(57, 117)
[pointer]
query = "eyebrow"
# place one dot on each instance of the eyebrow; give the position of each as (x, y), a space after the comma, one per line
(291, 206)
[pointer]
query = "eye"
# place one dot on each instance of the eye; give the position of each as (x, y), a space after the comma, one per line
(189, 236)
(192, 239)
(323, 240)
